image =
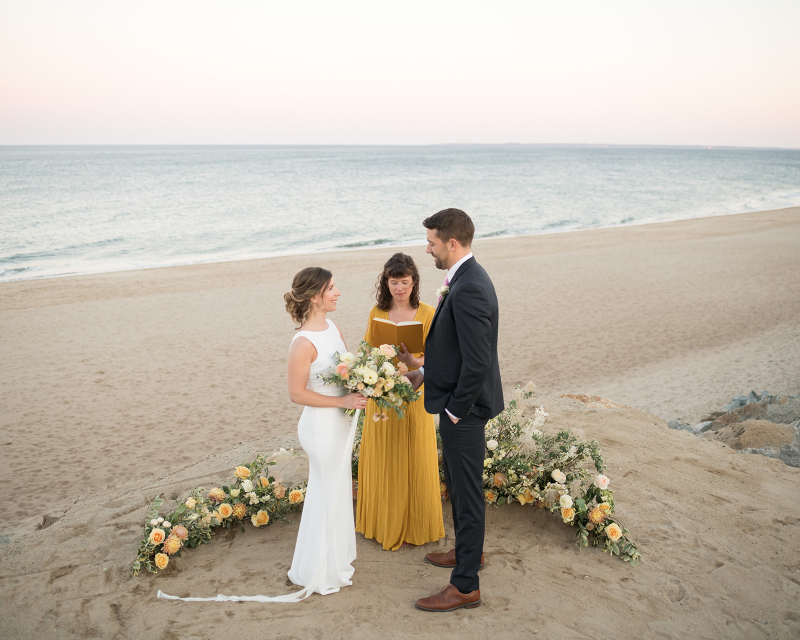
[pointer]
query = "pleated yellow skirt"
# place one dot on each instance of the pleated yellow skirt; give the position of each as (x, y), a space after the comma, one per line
(398, 479)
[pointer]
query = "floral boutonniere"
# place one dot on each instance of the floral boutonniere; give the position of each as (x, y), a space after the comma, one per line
(442, 291)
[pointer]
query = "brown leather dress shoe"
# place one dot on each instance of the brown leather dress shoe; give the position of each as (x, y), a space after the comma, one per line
(447, 560)
(450, 599)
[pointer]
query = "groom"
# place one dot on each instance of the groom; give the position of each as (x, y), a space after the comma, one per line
(462, 385)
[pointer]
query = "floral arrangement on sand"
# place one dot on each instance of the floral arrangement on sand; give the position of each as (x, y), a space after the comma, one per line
(250, 494)
(372, 373)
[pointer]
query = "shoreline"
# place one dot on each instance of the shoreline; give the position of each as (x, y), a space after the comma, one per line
(132, 373)
(390, 245)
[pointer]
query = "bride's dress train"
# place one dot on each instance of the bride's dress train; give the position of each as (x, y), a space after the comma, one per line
(326, 541)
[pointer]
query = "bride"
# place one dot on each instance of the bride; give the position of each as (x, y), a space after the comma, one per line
(326, 542)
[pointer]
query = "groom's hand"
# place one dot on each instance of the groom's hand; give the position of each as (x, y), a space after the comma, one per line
(416, 378)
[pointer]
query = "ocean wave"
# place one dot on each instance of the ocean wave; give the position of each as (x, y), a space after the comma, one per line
(365, 243)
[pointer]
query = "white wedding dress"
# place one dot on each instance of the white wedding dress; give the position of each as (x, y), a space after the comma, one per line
(326, 541)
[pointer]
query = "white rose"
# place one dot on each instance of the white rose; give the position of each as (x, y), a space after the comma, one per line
(347, 357)
(167, 524)
(388, 368)
(601, 482)
(565, 502)
(154, 522)
(491, 445)
(558, 476)
(234, 493)
(161, 519)
(247, 486)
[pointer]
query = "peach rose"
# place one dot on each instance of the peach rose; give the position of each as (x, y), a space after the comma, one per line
(225, 510)
(604, 507)
(181, 531)
(264, 482)
(279, 491)
(376, 416)
(242, 472)
(360, 386)
(343, 370)
(157, 536)
(162, 560)
(388, 350)
(601, 482)
(614, 531)
(402, 368)
(260, 519)
(296, 496)
(568, 514)
(525, 497)
(191, 503)
(558, 476)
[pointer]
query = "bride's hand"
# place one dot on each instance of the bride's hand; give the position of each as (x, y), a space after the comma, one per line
(354, 401)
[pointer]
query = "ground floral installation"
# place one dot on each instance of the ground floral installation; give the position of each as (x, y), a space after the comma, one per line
(549, 471)
(251, 492)
(372, 373)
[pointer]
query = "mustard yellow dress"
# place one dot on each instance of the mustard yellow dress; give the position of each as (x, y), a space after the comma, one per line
(398, 470)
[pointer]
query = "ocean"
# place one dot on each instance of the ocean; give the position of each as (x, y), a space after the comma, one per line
(68, 210)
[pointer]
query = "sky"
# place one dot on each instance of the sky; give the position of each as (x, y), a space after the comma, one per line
(700, 72)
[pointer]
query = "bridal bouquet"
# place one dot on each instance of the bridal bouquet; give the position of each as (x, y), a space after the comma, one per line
(371, 373)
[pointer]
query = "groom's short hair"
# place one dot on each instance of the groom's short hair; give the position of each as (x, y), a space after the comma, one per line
(452, 224)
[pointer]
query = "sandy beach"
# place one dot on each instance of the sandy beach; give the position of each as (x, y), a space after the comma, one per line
(159, 380)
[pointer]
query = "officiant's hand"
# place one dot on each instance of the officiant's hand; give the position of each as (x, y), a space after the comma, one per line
(408, 358)
(354, 401)
(416, 378)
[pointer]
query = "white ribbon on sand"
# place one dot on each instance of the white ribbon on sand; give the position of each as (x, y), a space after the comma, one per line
(314, 585)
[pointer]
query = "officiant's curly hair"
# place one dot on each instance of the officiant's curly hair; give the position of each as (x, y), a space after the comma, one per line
(305, 285)
(398, 266)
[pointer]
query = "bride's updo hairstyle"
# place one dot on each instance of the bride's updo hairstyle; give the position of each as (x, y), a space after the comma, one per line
(306, 284)
(398, 266)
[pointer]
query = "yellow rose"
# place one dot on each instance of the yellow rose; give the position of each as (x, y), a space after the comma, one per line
(260, 519)
(279, 491)
(526, 497)
(296, 496)
(614, 531)
(225, 510)
(360, 386)
(191, 503)
(242, 472)
(162, 560)
(157, 536)
(490, 496)
(264, 482)
(568, 514)
(604, 507)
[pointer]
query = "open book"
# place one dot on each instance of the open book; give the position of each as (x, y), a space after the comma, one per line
(409, 333)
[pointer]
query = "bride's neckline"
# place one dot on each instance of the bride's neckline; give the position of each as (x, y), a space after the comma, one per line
(327, 322)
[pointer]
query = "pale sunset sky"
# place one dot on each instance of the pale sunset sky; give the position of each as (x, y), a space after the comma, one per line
(699, 72)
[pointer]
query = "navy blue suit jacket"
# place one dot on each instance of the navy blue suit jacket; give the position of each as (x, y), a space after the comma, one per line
(462, 373)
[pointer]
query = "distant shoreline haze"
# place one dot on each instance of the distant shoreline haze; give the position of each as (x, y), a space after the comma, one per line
(80, 209)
